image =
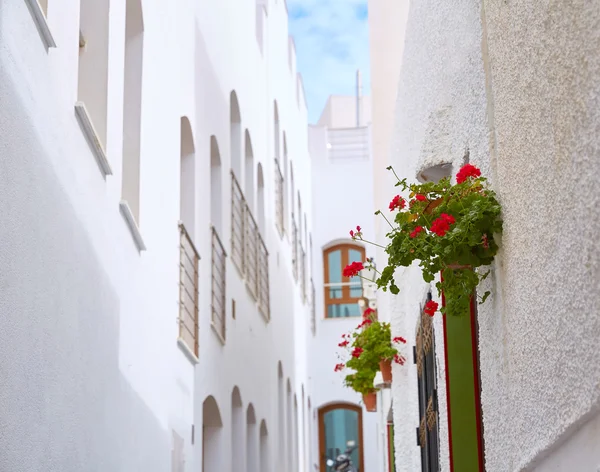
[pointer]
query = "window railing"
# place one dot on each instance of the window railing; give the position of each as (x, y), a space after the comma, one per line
(279, 193)
(313, 308)
(188, 290)
(302, 273)
(218, 285)
(238, 206)
(294, 248)
(263, 280)
(249, 250)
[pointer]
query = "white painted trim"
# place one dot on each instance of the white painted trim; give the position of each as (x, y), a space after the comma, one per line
(187, 351)
(41, 23)
(133, 227)
(92, 137)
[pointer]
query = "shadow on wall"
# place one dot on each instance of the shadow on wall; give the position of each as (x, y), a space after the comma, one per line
(59, 342)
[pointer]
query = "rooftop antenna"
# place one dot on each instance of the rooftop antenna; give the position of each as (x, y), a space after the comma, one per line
(358, 97)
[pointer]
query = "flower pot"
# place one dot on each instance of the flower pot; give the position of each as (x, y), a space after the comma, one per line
(432, 205)
(370, 401)
(385, 367)
(459, 266)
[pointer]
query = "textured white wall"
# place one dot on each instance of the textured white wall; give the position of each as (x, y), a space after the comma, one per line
(102, 286)
(516, 85)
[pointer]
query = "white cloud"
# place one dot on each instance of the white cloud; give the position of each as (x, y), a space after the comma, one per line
(332, 42)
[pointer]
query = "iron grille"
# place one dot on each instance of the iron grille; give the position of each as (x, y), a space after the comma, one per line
(279, 193)
(264, 304)
(218, 285)
(238, 207)
(188, 290)
(251, 263)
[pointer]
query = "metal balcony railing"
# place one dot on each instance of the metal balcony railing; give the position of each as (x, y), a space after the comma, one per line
(263, 280)
(279, 194)
(249, 250)
(189, 260)
(294, 248)
(219, 257)
(238, 207)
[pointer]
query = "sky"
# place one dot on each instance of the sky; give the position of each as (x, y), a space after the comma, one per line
(332, 42)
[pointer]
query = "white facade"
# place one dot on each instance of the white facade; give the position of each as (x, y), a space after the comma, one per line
(508, 85)
(90, 281)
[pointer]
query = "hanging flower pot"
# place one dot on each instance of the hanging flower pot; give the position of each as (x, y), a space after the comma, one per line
(451, 229)
(385, 367)
(370, 401)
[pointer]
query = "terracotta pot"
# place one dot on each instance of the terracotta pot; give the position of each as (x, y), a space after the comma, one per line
(370, 401)
(385, 367)
(459, 266)
(433, 204)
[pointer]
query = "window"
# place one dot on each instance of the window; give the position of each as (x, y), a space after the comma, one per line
(341, 293)
(189, 260)
(338, 424)
(428, 425)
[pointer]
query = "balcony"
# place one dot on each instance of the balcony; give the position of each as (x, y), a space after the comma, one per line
(249, 251)
(189, 260)
(294, 249)
(279, 192)
(218, 282)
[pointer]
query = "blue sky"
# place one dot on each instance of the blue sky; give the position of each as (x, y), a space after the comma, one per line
(332, 42)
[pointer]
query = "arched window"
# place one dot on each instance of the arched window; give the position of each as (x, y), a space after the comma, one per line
(281, 416)
(235, 135)
(132, 107)
(92, 85)
(249, 171)
(238, 439)
(338, 424)
(264, 447)
(342, 293)
(252, 441)
(213, 455)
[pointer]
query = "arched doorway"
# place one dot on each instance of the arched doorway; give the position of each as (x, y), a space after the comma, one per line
(338, 424)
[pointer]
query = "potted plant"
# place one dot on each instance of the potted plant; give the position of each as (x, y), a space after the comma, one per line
(376, 340)
(448, 228)
(371, 350)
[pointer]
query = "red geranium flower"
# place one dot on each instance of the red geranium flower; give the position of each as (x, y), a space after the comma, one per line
(430, 308)
(357, 352)
(466, 171)
(416, 231)
(441, 225)
(358, 229)
(397, 202)
(352, 234)
(399, 339)
(339, 367)
(368, 311)
(353, 269)
(420, 197)
(398, 359)
(343, 344)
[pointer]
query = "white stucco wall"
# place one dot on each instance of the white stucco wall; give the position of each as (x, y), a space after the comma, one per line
(526, 110)
(342, 199)
(106, 315)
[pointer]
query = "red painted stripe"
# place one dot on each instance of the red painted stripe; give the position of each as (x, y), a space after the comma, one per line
(478, 416)
(447, 385)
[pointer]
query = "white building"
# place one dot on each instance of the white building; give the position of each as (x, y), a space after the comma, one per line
(514, 89)
(145, 325)
(342, 189)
